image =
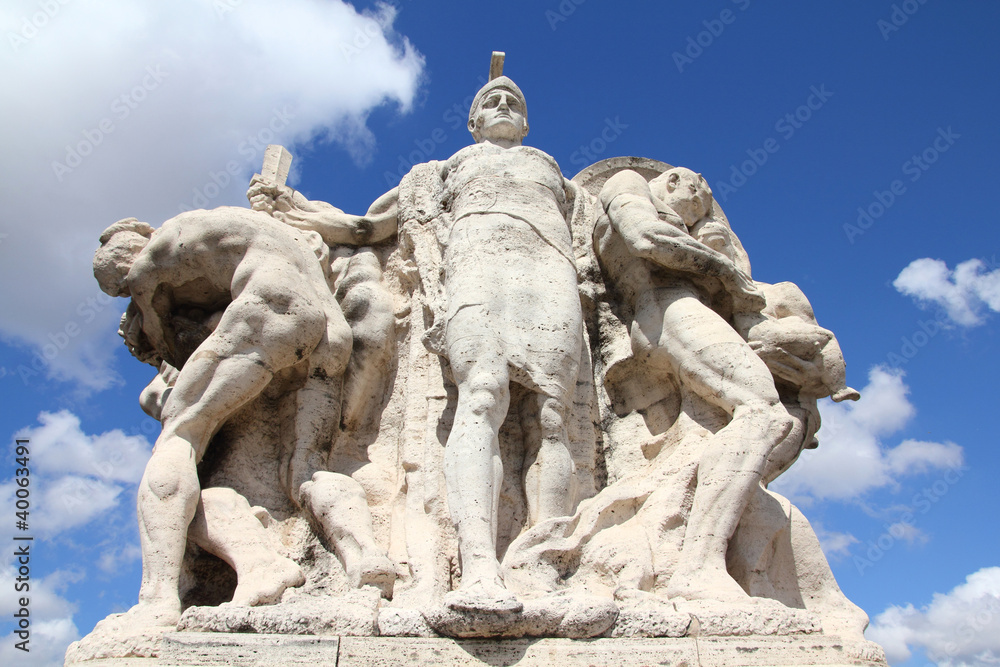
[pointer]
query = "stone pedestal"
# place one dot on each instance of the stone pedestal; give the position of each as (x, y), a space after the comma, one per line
(250, 650)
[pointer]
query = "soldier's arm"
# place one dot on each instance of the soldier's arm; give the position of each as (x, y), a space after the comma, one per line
(383, 217)
(334, 225)
(142, 324)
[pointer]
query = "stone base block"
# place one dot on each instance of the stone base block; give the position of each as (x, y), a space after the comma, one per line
(249, 650)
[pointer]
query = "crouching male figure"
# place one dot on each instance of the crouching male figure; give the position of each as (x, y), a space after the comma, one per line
(264, 300)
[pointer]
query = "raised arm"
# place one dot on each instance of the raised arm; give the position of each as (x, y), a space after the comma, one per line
(334, 225)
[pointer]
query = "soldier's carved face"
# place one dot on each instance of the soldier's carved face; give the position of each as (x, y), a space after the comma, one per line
(501, 116)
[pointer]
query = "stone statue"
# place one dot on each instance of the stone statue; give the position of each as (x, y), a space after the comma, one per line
(233, 323)
(510, 404)
(513, 314)
(671, 280)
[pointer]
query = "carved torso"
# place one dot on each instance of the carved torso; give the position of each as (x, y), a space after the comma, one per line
(509, 269)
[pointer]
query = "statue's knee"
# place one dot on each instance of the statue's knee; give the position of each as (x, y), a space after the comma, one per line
(164, 480)
(327, 489)
(485, 394)
(552, 417)
(224, 499)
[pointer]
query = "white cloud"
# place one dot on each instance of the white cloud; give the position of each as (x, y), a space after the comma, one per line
(112, 560)
(52, 627)
(852, 459)
(916, 456)
(60, 446)
(71, 501)
(963, 293)
(124, 108)
(76, 477)
(835, 545)
(961, 627)
(907, 532)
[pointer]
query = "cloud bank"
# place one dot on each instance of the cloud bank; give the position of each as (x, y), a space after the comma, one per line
(78, 481)
(75, 477)
(960, 627)
(144, 109)
(852, 458)
(52, 626)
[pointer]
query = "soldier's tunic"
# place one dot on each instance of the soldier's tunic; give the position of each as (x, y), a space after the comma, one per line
(508, 260)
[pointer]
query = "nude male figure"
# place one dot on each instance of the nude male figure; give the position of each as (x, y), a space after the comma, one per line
(805, 359)
(678, 287)
(513, 314)
(277, 317)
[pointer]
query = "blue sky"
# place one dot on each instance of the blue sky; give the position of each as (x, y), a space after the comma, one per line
(851, 145)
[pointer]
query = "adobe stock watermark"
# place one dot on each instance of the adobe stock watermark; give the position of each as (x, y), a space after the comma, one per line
(972, 626)
(898, 17)
(32, 25)
(58, 340)
(922, 503)
(224, 7)
(562, 12)
(371, 31)
(922, 334)
(786, 126)
(455, 117)
(589, 153)
(714, 28)
(914, 168)
(121, 108)
(251, 148)
(90, 479)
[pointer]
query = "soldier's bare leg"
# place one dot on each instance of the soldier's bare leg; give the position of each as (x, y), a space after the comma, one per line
(548, 464)
(474, 472)
(369, 307)
(224, 525)
(169, 491)
(713, 361)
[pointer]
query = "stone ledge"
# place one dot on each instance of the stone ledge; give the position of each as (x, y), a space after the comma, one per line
(183, 649)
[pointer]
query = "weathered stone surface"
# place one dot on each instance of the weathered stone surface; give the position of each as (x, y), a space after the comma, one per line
(353, 614)
(113, 638)
(651, 617)
(760, 617)
(551, 616)
(753, 651)
(393, 622)
(241, 650)
(190, 649)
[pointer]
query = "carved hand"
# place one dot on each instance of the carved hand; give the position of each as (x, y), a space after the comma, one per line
(269, 198)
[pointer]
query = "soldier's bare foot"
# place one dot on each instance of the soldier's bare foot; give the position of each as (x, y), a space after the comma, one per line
(152, 615)
(483, 595)
(706, 584)
(265, 583)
